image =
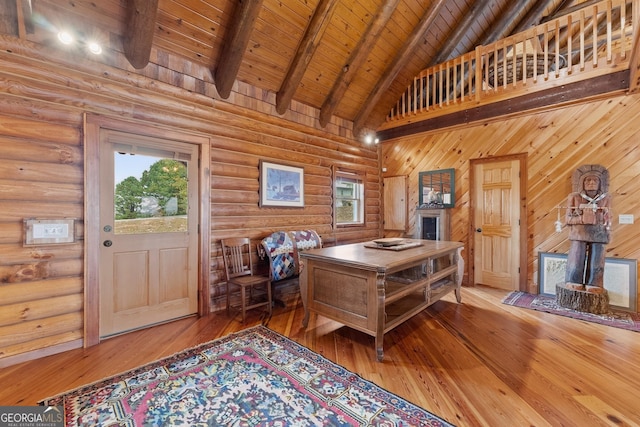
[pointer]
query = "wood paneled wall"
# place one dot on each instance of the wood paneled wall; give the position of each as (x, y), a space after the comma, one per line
(43, 97)
(556, 142)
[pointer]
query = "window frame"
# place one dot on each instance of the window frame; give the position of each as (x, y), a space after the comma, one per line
(360, 179)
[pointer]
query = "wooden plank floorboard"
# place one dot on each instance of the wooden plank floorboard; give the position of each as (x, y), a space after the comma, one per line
(478, 363)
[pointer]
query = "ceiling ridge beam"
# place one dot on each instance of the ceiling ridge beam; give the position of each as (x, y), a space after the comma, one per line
(356, 59)
(235, 44)
(306, 49)
(400, 61)
(138, 36)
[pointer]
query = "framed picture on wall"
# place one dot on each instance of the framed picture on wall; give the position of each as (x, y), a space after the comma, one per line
(281, 185)
(620, 278)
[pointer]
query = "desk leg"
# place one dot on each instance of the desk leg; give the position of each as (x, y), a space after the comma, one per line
(303, 282)
(381, 313)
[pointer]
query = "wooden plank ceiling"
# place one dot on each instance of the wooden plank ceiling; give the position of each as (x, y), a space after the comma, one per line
(348, 58)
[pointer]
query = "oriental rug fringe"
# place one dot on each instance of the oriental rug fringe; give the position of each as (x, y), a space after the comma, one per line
(615, 318)
(255, 377)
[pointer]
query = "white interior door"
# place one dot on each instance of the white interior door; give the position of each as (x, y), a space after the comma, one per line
(148, 231)
(496, 223)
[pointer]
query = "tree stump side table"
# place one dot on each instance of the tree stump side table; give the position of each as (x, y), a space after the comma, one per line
(569, 295)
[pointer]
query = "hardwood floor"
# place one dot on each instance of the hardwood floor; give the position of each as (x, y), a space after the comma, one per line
(478, 363)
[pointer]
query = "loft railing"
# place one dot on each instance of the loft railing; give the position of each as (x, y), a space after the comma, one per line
(592, 41)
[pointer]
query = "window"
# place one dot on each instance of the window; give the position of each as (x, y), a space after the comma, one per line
(349, 198)
(151, 190)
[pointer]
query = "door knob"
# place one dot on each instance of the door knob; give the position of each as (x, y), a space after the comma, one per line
(479, 230)
(107, 243)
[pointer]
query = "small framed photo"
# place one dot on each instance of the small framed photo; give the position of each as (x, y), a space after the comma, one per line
(620, 278)
(48, 231)
(281, 185)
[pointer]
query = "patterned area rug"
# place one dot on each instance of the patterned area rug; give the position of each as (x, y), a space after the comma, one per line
(255, 377)
(615, 318)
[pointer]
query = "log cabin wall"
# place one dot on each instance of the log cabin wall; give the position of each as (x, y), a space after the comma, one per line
(556, 142)
(44, 95)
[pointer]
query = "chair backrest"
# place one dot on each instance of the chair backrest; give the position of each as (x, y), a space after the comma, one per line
(236, 253)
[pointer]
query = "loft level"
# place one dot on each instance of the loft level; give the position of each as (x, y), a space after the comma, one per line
(589, 43)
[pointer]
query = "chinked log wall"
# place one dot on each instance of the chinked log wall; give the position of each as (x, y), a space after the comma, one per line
(44, 95)
(556, 142)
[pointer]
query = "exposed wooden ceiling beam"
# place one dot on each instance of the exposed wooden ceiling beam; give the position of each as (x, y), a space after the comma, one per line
(562, 11)
(461, 29)
(502, 28)
(356, 59)
(401, 59)
(535, 15)
(140, 26)
(235, 44)
(557, 96)
(306, 48)
(506, 24)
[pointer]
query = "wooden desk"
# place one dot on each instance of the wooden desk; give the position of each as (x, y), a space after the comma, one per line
(374, 290)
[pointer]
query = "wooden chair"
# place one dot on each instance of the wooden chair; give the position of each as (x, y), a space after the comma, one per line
(238, 266)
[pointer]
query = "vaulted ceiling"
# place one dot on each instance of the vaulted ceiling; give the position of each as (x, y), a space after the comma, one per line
(348, 58)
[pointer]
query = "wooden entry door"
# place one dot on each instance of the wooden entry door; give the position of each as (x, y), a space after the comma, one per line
(148, 266)
(497, 223)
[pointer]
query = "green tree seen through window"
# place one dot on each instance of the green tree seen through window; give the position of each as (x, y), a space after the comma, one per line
(165, 182)
(128, 198)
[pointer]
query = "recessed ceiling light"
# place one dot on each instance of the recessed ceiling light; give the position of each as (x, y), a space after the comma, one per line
(95, 48)
(65, 37)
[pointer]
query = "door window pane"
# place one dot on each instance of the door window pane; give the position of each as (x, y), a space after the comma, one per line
(150, 194)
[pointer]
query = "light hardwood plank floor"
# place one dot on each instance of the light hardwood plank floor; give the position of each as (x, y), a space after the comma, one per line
(478, 363)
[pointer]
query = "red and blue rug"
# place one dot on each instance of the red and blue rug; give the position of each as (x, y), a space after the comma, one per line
(255, 377)
(615, 318)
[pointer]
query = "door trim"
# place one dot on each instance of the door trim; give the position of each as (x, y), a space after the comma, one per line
(93, 123)
(522, 159)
